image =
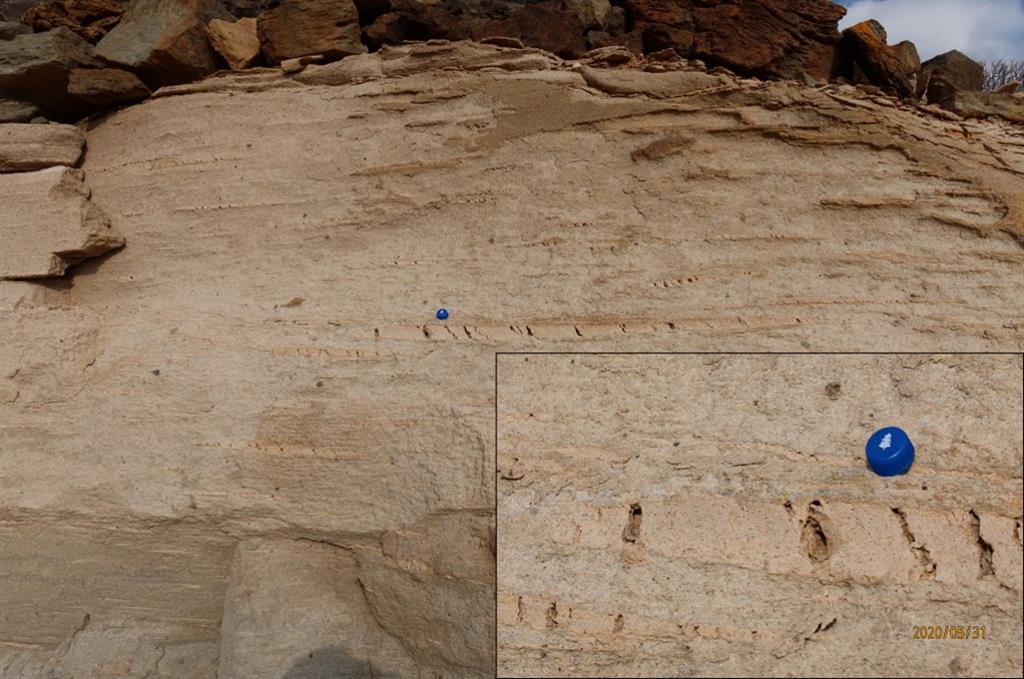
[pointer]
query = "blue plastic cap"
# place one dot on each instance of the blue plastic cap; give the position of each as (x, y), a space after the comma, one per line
(442, 314)
(889, 451)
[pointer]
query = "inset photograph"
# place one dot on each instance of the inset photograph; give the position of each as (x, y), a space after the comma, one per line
(669, 515)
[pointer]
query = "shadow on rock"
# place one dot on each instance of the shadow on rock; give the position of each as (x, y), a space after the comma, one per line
(333, 662)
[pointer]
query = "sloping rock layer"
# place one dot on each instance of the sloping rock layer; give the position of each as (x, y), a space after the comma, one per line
(259, 371)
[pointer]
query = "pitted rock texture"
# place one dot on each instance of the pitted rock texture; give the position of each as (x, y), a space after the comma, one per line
(690, 515)
(261, 364)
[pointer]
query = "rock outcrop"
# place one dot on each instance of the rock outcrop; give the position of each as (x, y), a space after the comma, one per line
(956, 68)
(90, 19)
(13, 111)
(36, 67)
(164, 41)
(106, 86)
(10, 29)
(866, 58)
(299, 28)
(236, 41)
(778, 38)
(257, 377)
(170, 42)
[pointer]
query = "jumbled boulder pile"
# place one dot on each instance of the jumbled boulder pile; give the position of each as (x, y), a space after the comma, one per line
(64, 59)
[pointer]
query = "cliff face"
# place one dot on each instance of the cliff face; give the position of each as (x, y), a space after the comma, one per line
(242, 440)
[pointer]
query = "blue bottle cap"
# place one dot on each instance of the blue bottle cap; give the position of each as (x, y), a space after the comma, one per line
(889, 451)
(442, 314)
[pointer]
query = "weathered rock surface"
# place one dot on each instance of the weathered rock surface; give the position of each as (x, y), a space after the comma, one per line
(301, 27)
(548, 25)
(13, 111)
(287, 596)
(106, 86)
(691, 515)
(956, 68)
(25, 147)
(236, 41)
(49, 223)
(90, 19)
(11, 10)
(35, 68)
(261, 363)
(164, 41)
(985, 104)
(865, 57)
(766, 37)
(10, 29)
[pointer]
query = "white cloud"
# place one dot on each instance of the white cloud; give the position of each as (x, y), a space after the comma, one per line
(982, 29)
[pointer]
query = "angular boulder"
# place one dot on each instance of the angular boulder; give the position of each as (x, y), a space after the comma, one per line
(548, 25)
(25, 147)
(865, 57)
(35, 68)
(776, 38)
(236, 41)
(956, 68)
(90, 19)
(50, 224)
(416, 20)
(106, 86)
(164, 41)
(298, 28)
(593, 14)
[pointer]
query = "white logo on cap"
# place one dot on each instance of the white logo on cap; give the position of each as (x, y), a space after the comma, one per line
(886, 442)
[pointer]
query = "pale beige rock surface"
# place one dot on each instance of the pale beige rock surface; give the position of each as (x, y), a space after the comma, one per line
(713, 515)
(25, 147)
(49, 223)
(236, 41)
(262, 362)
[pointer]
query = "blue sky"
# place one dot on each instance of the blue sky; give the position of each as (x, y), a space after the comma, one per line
(982, 29)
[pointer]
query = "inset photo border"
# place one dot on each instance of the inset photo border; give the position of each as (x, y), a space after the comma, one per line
(681, 514)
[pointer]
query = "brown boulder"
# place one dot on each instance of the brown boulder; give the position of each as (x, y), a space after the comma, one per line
(164, 41)
(547, 25)
(593, 14)
(301, 27)
(865, 57)
(236, 41)
(35, 68)
(90, 19)
(775, 38)
(415, 20)
(956, 68)
(106, 86)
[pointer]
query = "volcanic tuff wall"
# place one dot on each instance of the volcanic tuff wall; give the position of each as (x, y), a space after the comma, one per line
(242, 433)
